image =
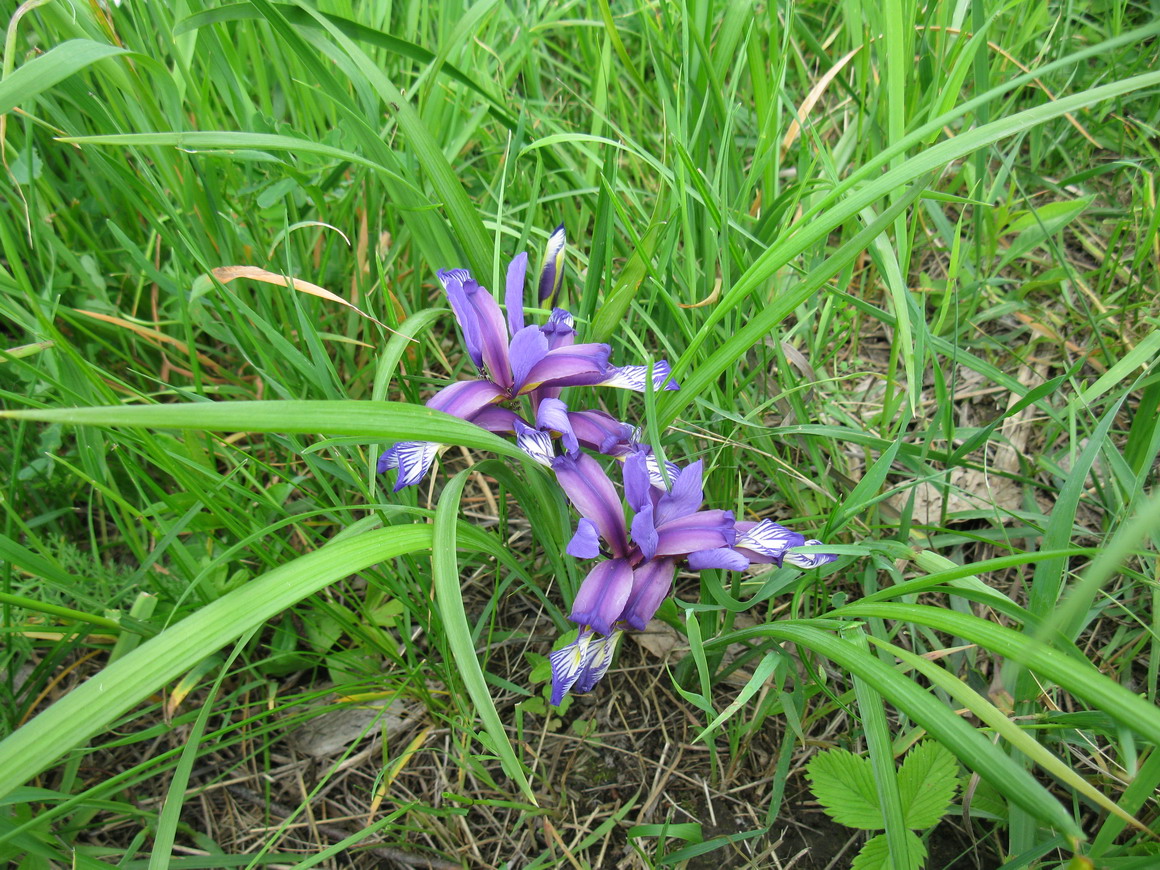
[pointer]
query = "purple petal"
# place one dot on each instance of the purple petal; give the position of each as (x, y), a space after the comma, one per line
(592, 494)
(585, 544)
(567, 663)
(496, 419)
(806, 561)
(703, 530)
(452, 281)
(552, 415)
(684, 498)
(578, 365)
(493, 334)
(650, 586)
(637, 488)
(535, 443)
(529, 347)
(514, 292)
(644, 531)
(560, 328)
(724, 558)
(553, 272)
(602, 595)
(596, 662)
(412, 458)
(465, 398)
(560, 332)
(601, 432)
(635, 377)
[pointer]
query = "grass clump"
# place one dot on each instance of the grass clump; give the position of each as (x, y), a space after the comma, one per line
(904, 262)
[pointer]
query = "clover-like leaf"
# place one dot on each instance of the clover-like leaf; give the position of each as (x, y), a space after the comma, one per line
(927, 783)
(875, 854)
(843, 783)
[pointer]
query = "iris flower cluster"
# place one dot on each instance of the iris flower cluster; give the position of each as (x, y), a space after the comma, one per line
(524, 366)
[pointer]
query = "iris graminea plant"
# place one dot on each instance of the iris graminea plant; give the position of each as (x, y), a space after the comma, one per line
(524, 366)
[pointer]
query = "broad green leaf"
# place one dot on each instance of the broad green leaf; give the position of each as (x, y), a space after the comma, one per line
(449, 599)
(844, 785)
(1083, 681)
(375, 421)
(97, 703)
(55, 65)
(927, 782)
(229, 141)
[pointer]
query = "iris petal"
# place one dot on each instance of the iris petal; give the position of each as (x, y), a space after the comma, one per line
(493, 334)
(769, 539)
(635, 377)
(567, 663)
(644, 531)
(535, 443)
(452, 281)
(578, 365)
(685, 497)
(585, 544)
(464, 399)
(592, 494)
(596, 662)
(514, 292)
(703, 530)
(810, 560)
(636, 482)
(602, 595)
(553, 272)
(650, 586)
(529, 347)
(412, 458)
(601, 432)
(553, 415)
(724, 558)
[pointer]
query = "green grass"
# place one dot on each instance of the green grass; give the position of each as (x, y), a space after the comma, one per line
(904, 260)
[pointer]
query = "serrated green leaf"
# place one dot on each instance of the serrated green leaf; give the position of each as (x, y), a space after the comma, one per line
(843, 783)
(927, 783)
(875, 854)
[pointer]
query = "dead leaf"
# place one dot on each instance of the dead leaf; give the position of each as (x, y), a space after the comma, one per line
(226, 274)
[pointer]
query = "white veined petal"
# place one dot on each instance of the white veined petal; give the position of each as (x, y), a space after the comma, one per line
(463, 275)
(536, 444)
(806, 561)
(655, 477)
(633, 377)
(567, 663)
(413, 458)
(600, 654)
(770, 539)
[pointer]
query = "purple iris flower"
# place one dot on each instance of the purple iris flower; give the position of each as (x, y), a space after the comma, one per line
(514, 359)
(625, 590)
